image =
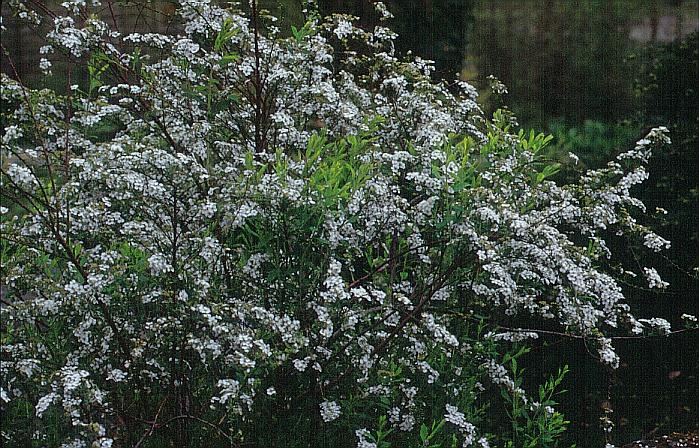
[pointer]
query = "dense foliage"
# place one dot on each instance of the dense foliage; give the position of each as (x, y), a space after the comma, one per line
(232, 238)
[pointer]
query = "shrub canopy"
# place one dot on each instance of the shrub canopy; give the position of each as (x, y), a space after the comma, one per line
(229, 237)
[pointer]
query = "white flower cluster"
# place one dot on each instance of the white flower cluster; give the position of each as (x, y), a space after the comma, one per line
(279, 217)
(658, 324)
(655, 242)
(513, 336)
(362, 436)
(607, 354)
(467, 430)
(343, 29)
(455, 417)
(497, 373)
(329, 411)
(654, 280)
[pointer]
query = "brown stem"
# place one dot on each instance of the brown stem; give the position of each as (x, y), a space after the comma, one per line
(66, 157)
(55, 230)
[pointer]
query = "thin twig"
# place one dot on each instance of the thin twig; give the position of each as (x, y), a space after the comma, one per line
(579, 336)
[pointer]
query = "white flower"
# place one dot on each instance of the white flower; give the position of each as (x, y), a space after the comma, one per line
(21, 175)
(655, 242)
(104, 443)
(4, 396)
(186, 47)
(117, 375)
(607, 353)
(44, 402)
(455, 417)
(159, 264)
(229, 389)
(362, 435)
(660, 325)
(654, 280)
(458, 419)
(45, 65)
(383, 10)
(407, 423)
(329, 411)
(343, 29)
(300, 364)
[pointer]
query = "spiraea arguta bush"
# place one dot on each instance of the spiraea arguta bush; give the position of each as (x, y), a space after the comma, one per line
(229, 237)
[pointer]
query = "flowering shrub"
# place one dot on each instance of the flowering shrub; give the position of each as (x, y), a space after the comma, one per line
(233, 238)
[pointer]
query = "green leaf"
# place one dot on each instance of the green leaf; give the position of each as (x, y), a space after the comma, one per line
(228, 59)
(300, 34)
(423, 432)
(227, 32)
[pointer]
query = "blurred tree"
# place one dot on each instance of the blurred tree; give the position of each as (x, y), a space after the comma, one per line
(562, 60)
